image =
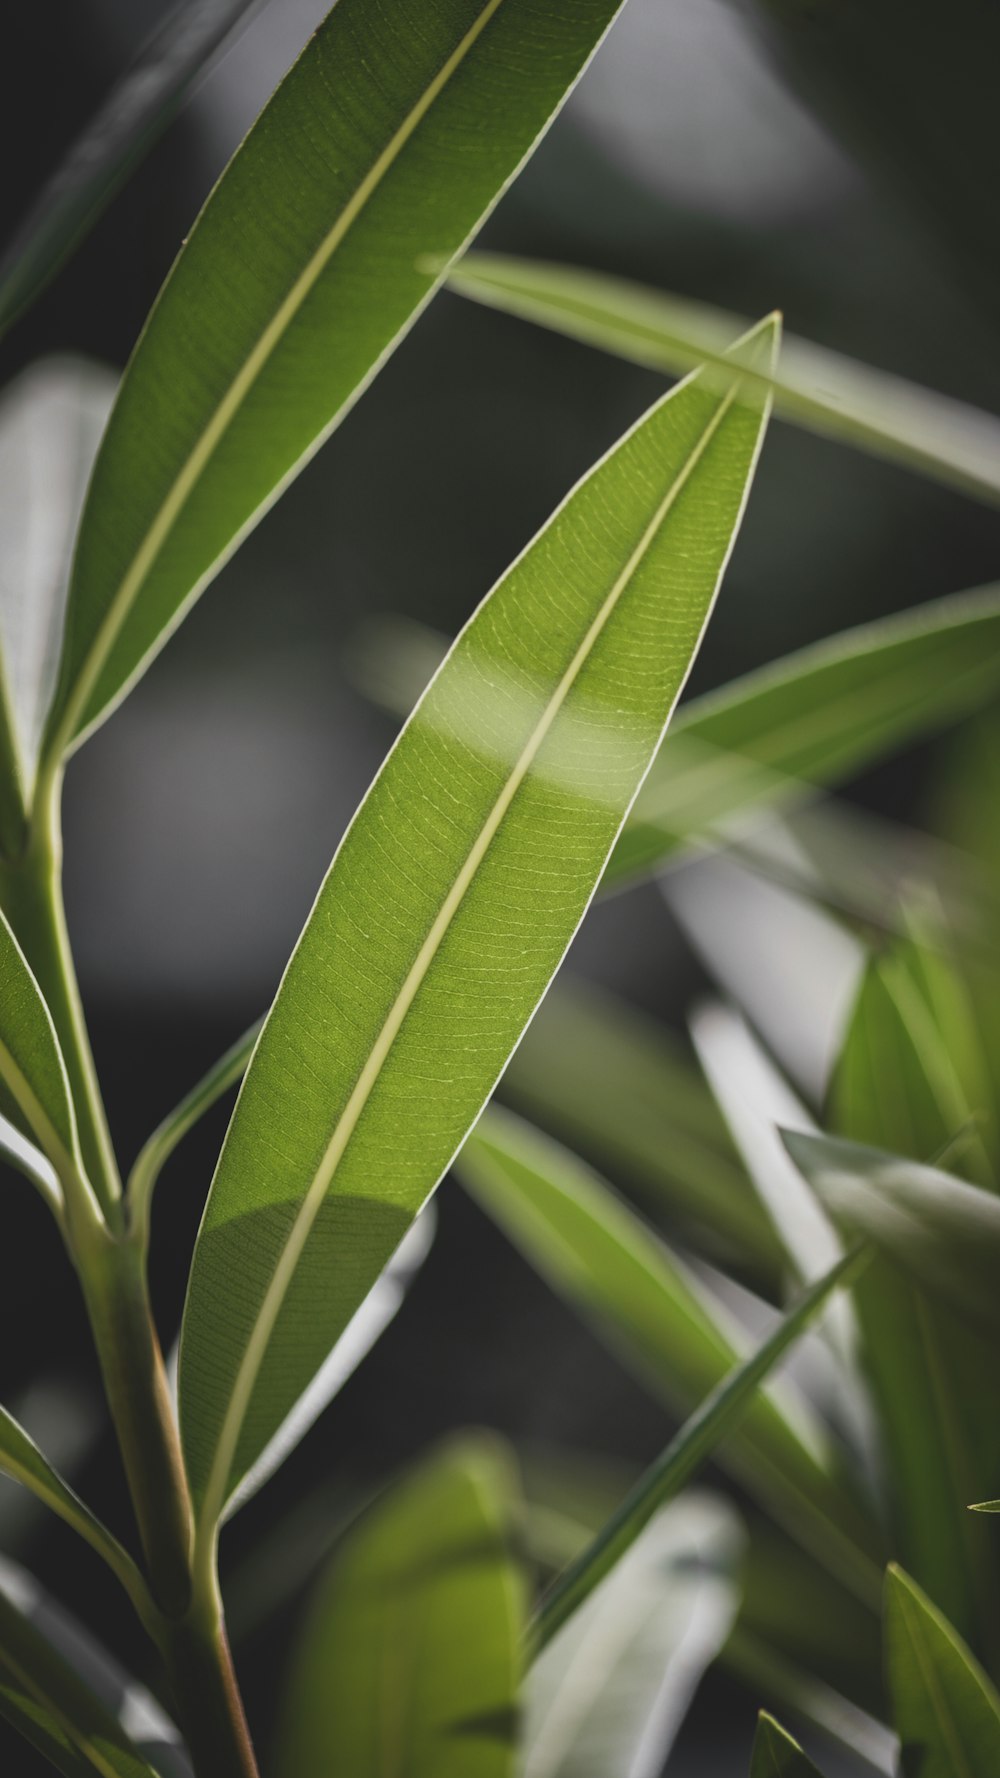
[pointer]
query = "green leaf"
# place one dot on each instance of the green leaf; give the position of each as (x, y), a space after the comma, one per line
(943, 1232)
(776, 1755)
(393, 135)
(693, 1444)
(447, 909)
(788, 1687)
(409, 1661)
(34, 1093)
(650, 1310)
(946, 1711)
(21, 1459)
(765, 741)
(986, 1506)
(832, 395)
(117, 139)
(623, 1090)
(610, 1692)
(51, 420)
(64, 1696)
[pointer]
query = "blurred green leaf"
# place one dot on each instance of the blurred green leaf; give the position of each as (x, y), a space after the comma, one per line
(409, 1660)
(447, 910)
(65, 1712)
(117, 139)
(34, 1093)
(51, 420)
(776, 1755)
(650, 1310)
(986, 1506)
(394, 134)
(696, 1441)
(610, 1692)
(819, 389)
(946, 1711)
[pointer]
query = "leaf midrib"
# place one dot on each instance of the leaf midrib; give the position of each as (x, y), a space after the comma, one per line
(163, 523)
(246, 1376)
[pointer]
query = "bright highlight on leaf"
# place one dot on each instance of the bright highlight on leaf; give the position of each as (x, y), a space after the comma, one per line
(447, 910)
(776, 1755)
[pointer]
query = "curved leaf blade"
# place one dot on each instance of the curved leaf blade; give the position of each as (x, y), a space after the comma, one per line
(34, 1092)
(395, 132)
(776, 1755)
(447, 910)
(610, 1692)
(819, 389)
(409, 1662)
(947, 1712)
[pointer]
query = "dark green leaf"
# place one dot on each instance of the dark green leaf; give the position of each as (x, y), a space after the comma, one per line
(946, 1711)
(34, 1093)
(446, 912)
(776, 1755)
(393, 135)
(409, 1664)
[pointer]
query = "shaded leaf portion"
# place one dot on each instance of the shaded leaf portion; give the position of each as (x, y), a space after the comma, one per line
(776, 1755)
(609, 1693)
(819, 389)
(447, 909)
(651, 1311)
(34, 1094)
(946, 1710)
(51, 420)
(409, 1660)
(393, 135)
(73, 1704)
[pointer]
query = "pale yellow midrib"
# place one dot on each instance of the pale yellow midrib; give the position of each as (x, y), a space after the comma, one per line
(181, 489)
(249, 1368)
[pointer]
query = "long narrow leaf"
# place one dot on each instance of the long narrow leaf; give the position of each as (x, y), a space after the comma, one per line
(776, 1755)
(694, 1443)
(122, 132)
(394, 134)
(947, 1711)
(409, 1660)
(34, 1093)
(447, 909)
(819, 389)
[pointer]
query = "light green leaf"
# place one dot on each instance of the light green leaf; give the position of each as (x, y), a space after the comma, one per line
(766, 740)
(67, 1700)
(409, 1662)
(623, 1090)
(776, 1755)
(51, 420)
(652, 1312)
(447, 909)
(946, 1711)
(819, 389)
(610, 1692)
(986, 1506)
(697, 1439)
(21, 1459)
(116, 140)
(393, 135)
(34, 1093)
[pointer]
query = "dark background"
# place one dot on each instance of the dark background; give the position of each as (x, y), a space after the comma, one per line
(200, 819)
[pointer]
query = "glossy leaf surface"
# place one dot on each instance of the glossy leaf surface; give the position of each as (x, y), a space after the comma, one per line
(392, 136)
(446, 911)
(819, 389)
(946, 1710)
(409, 1662)
(609, 1692)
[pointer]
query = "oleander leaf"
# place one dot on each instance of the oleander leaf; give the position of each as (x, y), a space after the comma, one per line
(113, 143)
(394, 134)
(51, 420)
(651, 1311)
(610, 1692)
(986, 1506)
(34, 1093)
(64, 1694)
(819, 389)
(767, 740)
(409, 1661)
(696, 1441)
(946, 1710)
(776, 1755)
(446, 911)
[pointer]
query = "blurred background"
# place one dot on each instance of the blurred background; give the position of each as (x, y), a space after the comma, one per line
(747, 155)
